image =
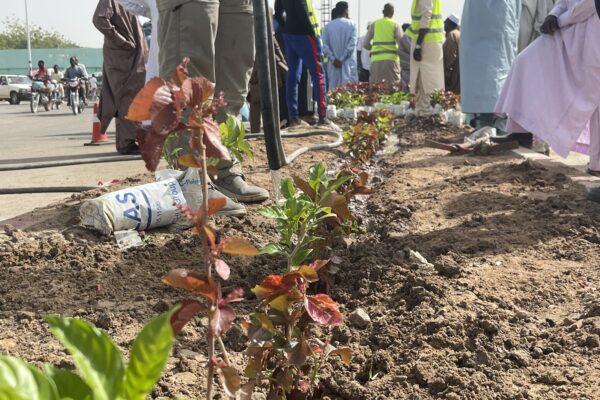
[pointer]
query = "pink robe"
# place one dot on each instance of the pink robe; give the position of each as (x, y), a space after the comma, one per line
(553, 89)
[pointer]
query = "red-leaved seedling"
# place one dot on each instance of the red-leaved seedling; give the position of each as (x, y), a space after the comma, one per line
(184, 104)
(283, 350)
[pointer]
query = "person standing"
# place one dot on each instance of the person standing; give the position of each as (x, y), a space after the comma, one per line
(302, 38)
(93, 81)
(339, 46)
(364, 59)
(427, 62)
(383, 39)
(489, 39)
(148, 9)
(533, 14)
(123, 70)
(404, 52)
(451, 58)
(211, 34)
(560, 102)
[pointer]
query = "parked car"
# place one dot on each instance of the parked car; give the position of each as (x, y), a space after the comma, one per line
(15, 88)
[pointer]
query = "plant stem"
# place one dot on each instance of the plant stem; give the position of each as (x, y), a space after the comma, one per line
(198, 133)
(297, 248)
(224, 351)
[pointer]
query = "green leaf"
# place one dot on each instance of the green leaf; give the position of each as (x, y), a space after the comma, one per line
(69, 384)
(317, 176)
(149, 355)
(22, 381)
(97, 358)
(273, 212)
(287, 188)
(300, 256)
(272, 248)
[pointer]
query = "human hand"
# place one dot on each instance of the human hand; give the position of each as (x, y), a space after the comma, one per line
(418, 54)
(550, 25)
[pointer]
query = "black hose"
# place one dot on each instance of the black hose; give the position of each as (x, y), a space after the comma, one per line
(265, 57)
(64, 163)
(49, 189)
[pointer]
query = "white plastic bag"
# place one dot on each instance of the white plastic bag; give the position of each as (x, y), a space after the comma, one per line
(331, 111)
(453, 118)
(139, 208)
(189, 181)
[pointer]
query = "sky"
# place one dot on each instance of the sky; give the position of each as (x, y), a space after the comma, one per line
(73, 18)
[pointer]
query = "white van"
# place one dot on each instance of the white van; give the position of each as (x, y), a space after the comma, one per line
(15, 88)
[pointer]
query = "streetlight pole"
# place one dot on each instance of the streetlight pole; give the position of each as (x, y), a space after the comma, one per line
(28, 37)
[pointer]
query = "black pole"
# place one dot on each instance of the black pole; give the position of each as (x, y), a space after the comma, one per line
(265, 64)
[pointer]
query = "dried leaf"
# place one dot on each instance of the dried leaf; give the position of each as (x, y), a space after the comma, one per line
(222, 319)
(339, 205)
(280, 303)
(323, 310)
(246, 391)
(212, 140)
(234, 296)
(271, 287)
(188, 160)
(238, 246)
(151, 146)
(187, 311)
(181, 72)
(344, 353)
(305, 187)
(230, 380)
(197, 90)
(139, 110)
(318, 264)
(215, 205)
(222, 269)
(212, 238)
(193, 282)
(305, 272)
(299, 353)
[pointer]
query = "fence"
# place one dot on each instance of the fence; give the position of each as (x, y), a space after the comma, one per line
(15, 61)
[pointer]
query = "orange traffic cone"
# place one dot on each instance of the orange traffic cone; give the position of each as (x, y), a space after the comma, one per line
(98, 137)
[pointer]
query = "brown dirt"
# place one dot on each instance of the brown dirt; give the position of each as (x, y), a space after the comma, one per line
(507, 307)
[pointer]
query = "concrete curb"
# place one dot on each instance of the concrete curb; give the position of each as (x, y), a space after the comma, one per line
(575, 175)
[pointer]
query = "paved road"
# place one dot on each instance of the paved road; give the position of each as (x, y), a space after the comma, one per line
(47, 136)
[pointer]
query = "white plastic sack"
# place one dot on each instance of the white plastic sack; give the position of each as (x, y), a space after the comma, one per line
(351, 113)
(453, 118)
(139, 208)
(331, 111)
(189, 181)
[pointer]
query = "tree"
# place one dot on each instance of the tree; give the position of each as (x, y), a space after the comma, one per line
(14, 36)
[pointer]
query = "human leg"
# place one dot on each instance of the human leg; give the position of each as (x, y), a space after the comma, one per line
(188, 30)
(234, 56)
(595, 141)
(125, 136)
(423, 99)
(294, 73)
(312, 56)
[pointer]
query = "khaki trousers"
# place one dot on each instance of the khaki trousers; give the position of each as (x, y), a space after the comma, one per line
(423, 106)
(386, 70)
(218, 37)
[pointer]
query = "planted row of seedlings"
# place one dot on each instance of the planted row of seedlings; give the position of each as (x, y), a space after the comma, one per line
(285, 352)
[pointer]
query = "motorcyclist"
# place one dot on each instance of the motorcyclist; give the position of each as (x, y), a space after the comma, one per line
(42, 72)
(58, 76)
(77, 70)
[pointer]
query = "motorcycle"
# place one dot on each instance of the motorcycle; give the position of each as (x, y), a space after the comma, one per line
(76, 101)
(44, 93)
